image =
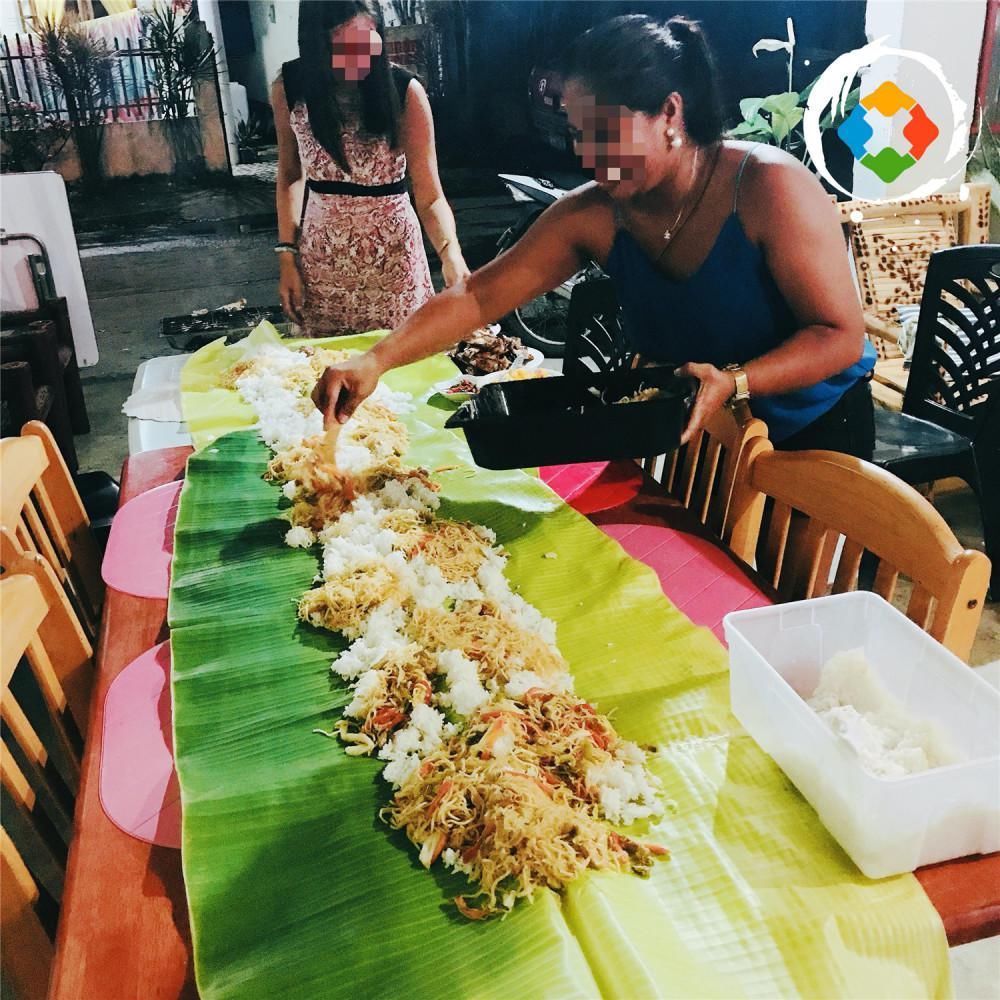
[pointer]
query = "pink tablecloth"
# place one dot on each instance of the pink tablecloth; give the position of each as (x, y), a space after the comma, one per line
(697, 576)
(594, 486)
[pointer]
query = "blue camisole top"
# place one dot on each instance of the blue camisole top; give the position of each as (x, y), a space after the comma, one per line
(728, 312)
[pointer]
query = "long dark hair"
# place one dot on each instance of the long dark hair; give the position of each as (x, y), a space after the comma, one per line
(380, 109)
(637, 62)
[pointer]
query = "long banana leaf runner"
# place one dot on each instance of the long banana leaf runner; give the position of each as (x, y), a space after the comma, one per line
(297, 889)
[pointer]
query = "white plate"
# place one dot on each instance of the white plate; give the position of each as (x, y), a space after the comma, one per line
(507, 375)
(534, 358)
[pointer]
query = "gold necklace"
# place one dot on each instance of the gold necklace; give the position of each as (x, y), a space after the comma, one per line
(672, 229)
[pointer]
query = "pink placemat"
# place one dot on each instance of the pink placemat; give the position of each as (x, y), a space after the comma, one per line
(697, 576)
(593, 486)
(141, 544)
(571, 480)
(139, 790)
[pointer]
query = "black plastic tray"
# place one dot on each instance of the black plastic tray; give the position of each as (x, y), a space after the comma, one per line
(555, 421)
(188, 333)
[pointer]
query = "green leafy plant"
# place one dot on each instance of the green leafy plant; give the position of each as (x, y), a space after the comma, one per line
(409, 11)
(777, 118)
(184, 57)
(250, 132)
(79, 70)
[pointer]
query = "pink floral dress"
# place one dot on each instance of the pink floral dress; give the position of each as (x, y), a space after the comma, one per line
(361, 258)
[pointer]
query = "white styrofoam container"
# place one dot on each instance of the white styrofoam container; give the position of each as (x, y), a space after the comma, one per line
(886, 825)
(148, 435)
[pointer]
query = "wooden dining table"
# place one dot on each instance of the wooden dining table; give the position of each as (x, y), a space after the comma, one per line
(124, 931)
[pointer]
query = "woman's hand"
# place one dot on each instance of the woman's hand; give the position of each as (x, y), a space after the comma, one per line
(453, 268)
(291, 288)
(715, 389)
(342, 388)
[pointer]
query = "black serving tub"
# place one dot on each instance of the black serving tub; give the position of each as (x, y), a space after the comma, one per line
(552, 421)
(188, 333)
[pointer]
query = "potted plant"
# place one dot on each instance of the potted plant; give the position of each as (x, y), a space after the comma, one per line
(249, 135)
(777, 118)
(184, 57)
(79, 70)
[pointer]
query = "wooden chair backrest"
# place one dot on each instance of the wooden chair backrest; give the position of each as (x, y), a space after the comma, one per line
(27, 943)
(891, 244)
(44, 666)
(837, 494)
(60, 632)
(704, 476)
(42, 511)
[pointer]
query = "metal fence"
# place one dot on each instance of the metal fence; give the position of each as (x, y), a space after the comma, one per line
(417, 48)
(133, 96)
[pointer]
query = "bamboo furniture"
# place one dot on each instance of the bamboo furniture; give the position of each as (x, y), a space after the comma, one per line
(891, 244)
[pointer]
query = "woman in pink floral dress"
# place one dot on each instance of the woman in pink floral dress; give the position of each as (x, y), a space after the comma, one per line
(351, 126)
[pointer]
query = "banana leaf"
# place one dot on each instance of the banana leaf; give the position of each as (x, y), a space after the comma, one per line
(297, 889)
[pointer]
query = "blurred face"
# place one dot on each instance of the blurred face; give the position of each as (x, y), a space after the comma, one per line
(626, 149)
(353, 46)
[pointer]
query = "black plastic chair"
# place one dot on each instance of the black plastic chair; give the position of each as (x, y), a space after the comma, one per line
(594, 338)
(950, 424)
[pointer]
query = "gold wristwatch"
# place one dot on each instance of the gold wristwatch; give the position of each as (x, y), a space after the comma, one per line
(742, 392)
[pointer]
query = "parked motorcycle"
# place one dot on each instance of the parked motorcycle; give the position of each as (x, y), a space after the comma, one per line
(540, 323)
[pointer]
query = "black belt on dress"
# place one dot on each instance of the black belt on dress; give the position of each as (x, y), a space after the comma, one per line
(357, 190)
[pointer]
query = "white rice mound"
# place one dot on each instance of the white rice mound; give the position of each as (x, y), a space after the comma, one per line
(890, 741)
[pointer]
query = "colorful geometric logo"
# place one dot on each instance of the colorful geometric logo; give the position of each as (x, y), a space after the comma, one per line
(887, 100)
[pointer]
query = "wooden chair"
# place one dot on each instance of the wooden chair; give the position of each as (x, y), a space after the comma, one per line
(40, 377)
(61, 633)
(706, 477)
(44, 708)
(32, 382)
(55, 311)
(41, 512)
(703, 475)
(28, 947)
(834, 495)
(891, 244)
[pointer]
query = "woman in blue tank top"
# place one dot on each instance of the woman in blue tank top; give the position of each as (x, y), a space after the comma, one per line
(728, 258)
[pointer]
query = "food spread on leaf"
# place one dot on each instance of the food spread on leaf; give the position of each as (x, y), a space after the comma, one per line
(499, 771)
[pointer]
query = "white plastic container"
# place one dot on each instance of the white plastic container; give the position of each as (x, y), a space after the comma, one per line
(886, 825)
